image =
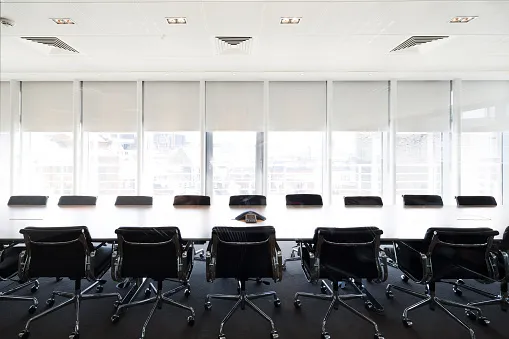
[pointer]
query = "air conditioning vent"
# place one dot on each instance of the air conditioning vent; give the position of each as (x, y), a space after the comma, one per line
(417, 40)
(52, 42)
(233, 45)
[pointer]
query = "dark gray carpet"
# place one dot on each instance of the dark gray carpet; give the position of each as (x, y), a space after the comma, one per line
(291, 323)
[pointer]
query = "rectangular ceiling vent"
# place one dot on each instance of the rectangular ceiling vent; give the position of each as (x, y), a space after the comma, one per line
(417, 40)
(233, 44)
(52, 42)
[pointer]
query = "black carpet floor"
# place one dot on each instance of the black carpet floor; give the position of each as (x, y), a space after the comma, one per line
(291, 323)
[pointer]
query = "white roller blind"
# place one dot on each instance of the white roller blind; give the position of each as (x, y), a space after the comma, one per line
(485, 106)
(171, 106)
(109, 106)
(297, 106)
(47, 106)
(5, 107)
(234, 106)
(423, 106)
(360, 106)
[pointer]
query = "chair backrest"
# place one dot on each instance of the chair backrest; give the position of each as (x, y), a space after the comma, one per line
(304, 199)
(149, 252)
(27, 200)
(346, 253)
(476, 200)
(422, 200)
(363, 201)
(77, 200)
(181, 200)
(252, 200)
(460, 253)
(133, 200)
(243, 253)
(56, 252)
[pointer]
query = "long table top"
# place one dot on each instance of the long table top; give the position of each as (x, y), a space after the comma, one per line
(291, 223)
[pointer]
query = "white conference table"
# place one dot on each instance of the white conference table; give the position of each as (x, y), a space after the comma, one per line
(291, 223)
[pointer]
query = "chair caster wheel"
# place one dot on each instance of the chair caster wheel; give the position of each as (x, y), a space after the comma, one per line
(284, 267)
(325, 335)
(297, 303)
(147, 292)
(23, 335)
(32, 309)
(457, 291)
(460, 282)
(277, 302)
(50, 302)
(483, 321)
(471, 315)
(389, 295)
(258, 281)
(190, 320)
(324, 290)
(58, 279)
(187, 292)
(274, 335)
(404, 278)
(379, 336)
(221, 336)
(208, 305)
(368, 305)
(74, 335)
(407, 323)
(114, 319)
(99, 289)
(34, 288)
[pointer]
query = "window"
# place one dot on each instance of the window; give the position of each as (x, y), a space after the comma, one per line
(47, 163)
(418, 163)
(481, 164)
(295, 162)
(5, 138)
(232, 162)
(173, 162)
(111, 167)
(356, 163)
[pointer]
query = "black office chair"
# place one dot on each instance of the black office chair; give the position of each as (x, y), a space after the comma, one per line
(77, 200)
(64, 252)
(476, 200)
(9, 260)
(502, 255)
(248, 200)
(342, 254)
(445, 253)
(300, 200)
(157, 253)
(422, 200)
(27, 200)
(363, 201)
(191, 200)
(194, 200)
(242, 253)
(133, 200)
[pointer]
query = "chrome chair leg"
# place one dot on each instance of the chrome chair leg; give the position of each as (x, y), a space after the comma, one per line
(158, 301)
(243, 299)
(369, 302)
(73, 298)
(336, 301)
(6, 295)
(429, 298)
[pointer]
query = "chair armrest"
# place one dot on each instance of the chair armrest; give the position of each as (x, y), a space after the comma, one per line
(408, 258)
(310, 264)
(278, 263)
(23, 267)
(115, 264)
(187, 260)
(210, 264)
(382, 264)
(505, 257)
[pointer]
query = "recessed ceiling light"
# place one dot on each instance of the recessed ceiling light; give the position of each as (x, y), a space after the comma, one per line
(462, 19)
(63, 21)
(289, 21)
(177, 21)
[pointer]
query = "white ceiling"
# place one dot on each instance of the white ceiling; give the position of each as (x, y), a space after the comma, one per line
(335, 40)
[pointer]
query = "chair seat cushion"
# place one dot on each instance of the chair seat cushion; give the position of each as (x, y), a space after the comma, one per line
(9, 261)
